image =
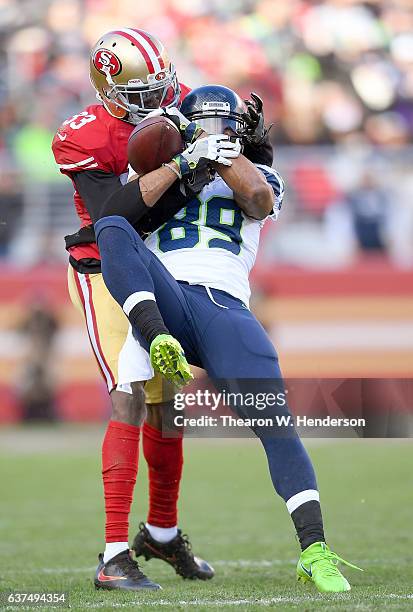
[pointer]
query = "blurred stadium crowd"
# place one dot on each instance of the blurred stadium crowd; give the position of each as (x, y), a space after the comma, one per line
(333, 277)
(336, 77)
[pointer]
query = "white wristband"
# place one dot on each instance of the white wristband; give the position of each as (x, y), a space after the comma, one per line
(174, 170)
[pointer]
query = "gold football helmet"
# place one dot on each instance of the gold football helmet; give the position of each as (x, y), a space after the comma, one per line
(132, 74)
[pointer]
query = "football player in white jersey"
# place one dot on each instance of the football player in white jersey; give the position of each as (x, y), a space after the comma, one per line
(196, 267)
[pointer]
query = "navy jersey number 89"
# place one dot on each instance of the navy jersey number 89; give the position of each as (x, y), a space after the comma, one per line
(211, 241)
(220, 214)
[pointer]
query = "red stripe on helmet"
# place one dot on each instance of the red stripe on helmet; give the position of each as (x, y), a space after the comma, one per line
(142, 49)
(153, 46)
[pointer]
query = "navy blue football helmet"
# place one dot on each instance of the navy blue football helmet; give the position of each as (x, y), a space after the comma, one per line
(215, 108)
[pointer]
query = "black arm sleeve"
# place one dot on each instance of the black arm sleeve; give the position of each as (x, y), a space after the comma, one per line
(260, 154)
(104, 195)
(165, 208)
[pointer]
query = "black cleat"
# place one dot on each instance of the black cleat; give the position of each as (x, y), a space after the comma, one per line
(177, 552)
(122, 572)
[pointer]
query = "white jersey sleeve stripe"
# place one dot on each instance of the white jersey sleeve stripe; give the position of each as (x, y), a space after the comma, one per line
(84, 162)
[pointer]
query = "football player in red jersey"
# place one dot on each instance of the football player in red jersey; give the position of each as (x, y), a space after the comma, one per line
(132, 75)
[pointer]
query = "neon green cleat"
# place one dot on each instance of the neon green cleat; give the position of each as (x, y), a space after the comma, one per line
(318, 564)
(168, 358)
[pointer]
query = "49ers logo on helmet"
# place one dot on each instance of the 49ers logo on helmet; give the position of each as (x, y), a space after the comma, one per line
(106, 61)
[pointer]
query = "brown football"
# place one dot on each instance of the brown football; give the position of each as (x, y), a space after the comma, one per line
(153, 142)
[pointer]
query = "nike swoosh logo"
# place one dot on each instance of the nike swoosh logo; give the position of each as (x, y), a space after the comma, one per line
(103, 578)
(308, 572)
(62, 137)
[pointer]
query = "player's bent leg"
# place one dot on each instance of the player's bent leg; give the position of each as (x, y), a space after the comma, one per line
(236, 348)
(294, 480)
(119, 243)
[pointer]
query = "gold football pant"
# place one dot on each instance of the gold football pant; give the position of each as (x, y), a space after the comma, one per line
(118, 355)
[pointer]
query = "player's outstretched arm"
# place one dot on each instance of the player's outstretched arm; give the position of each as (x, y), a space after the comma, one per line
(252, 193)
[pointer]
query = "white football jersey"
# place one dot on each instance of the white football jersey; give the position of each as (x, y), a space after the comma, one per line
(211, 242)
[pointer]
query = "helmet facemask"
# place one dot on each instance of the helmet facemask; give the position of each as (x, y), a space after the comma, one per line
(138, 99)
(217, 110)
(216, 117)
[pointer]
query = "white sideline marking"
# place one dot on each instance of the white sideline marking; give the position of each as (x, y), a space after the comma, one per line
(248, 601)
(219, 603)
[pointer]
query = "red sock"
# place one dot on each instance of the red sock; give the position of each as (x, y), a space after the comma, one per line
(165, 460)
(120, 453)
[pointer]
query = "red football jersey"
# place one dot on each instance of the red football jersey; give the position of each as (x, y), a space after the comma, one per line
(92, 140)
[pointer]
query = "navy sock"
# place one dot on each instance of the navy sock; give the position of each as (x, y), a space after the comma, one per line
(308, 523)
(146, 317)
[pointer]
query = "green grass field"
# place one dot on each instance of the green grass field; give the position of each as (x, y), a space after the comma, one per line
(51, 523)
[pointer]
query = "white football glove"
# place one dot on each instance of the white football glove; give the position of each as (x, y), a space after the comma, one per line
(218, 148)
